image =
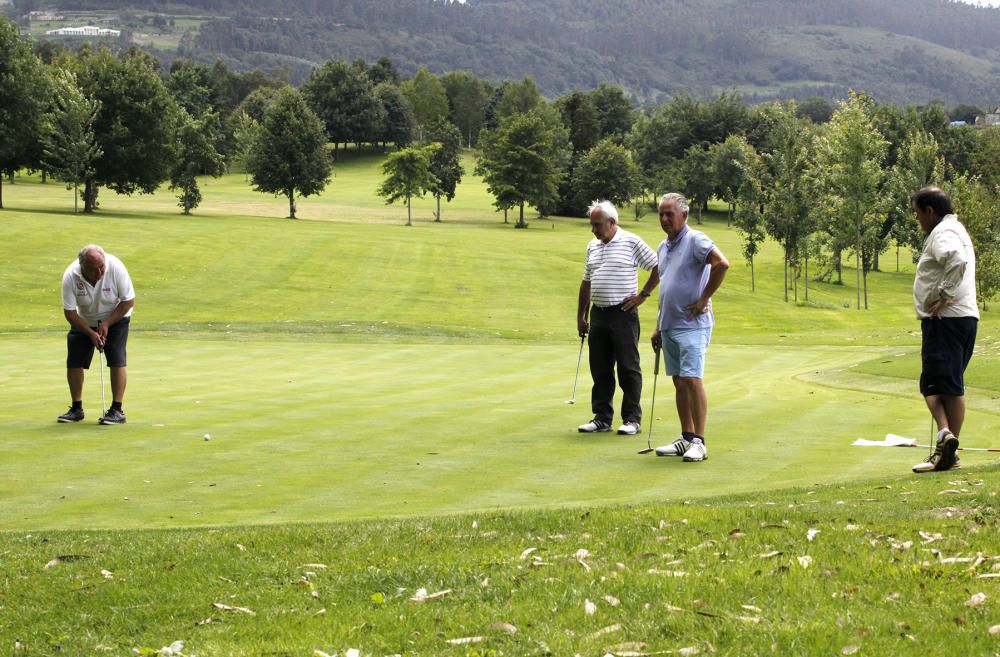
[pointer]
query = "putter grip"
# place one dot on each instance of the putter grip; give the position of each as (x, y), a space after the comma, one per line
(656, 367)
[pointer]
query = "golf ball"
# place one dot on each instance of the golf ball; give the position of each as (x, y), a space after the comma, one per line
(208, 436)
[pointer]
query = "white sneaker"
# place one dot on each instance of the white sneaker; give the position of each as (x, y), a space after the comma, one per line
(630, 428)
(696, 451)
(594, 426)
(676, 448)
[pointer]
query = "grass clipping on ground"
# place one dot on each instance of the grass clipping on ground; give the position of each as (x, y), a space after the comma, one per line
(908, 566)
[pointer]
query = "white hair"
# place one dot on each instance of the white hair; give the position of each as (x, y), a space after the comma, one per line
(88, 250)
(677, 199)
(607, 208)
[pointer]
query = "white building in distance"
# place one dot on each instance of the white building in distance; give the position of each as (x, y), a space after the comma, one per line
(86, 30)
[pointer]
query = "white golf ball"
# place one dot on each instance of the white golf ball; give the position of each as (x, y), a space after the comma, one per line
(208, 436)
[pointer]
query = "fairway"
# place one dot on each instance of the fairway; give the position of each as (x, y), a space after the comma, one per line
(348, 367)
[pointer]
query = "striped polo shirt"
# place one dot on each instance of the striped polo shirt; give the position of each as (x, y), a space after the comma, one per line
(611, 267)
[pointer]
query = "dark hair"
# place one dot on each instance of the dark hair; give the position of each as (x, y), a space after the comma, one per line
(935, 198)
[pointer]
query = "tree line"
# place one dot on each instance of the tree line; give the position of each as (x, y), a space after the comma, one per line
(825, 181)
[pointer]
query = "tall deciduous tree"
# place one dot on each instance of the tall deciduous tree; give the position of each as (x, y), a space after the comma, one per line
(467, 97)
(135, 127)
(613, 110)
(69, 143)
(398, 124)
(976, 206)
(445, 163)
(23, 96)
(792, 194)
(197, 157)
(408, 174)
(605, 171)
(290, 156)
(751, 201)
(427, 97)
(699, 181)
(850, 156)
(344, 99)
(523, 161)
(728, 159)
(918, 164)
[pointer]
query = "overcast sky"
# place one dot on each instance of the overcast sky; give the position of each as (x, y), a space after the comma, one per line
(987, 3)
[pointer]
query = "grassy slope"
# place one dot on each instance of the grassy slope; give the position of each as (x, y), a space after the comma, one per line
(728, 576)
(402, 371)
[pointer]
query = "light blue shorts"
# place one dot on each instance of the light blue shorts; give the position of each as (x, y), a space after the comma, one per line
(684, 351)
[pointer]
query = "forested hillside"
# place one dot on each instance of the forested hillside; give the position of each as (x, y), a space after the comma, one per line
(900, 51)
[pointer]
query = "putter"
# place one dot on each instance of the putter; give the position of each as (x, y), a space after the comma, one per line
(652, 406)
(577, 378)
(100, 360)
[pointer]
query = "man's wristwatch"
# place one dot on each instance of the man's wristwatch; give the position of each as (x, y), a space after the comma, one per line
(643, 293)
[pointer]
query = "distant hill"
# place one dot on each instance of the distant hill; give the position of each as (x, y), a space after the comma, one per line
(900, 51)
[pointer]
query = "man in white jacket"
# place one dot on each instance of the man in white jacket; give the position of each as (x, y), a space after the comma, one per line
(944, 295)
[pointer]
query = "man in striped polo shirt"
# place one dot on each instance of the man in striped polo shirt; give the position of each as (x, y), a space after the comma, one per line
(608, 292)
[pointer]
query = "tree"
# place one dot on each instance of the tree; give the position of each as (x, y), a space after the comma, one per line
(750, 203)
(523, 162)
(408, 174)
(290, 154)
(398, 124)
(135, 127)
(444, 161)
(815, 108)
(467, 96)
(699, 182)
(791, 196)
(427, 98)
(69, 144)
(519, 98)
(605, 171)
(613, 111)
(383, 71)
(22, 101)
(197, 157)
(919, 164)
(975, 204)
(190, 86)
(850, 157)
(344, 99)
(728, 161)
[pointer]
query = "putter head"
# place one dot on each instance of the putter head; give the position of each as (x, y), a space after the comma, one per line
(570, 401)
(646, 450)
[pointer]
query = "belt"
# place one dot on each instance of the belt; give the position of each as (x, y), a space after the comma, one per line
(617, 306)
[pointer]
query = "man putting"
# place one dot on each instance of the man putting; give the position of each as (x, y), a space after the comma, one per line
(944, 295)
(608, 292)
(97, 299)
(691, 270)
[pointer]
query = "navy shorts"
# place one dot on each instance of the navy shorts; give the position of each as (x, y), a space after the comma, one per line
(80, 348)
(947, 347)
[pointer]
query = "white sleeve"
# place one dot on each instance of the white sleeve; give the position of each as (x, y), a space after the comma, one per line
(124, 283)
(68, 293)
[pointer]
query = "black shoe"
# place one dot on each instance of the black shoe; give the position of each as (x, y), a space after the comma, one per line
(943, 458)
(72, 415)
(113, 416)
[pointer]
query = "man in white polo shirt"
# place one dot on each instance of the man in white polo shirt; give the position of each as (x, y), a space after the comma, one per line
(609, 292)
(97, 300)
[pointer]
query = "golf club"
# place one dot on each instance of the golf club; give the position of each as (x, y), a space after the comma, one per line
(577, 378)
(652, 406)
(100, 357)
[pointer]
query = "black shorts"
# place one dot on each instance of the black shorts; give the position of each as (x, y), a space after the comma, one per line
(947, 347)
(80, 347)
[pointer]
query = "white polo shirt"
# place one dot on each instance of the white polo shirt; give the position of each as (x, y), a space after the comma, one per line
(947, 270)
(611, 267)
(97, 302)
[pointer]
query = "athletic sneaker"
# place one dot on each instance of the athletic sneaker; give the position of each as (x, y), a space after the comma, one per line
(943, 458)
(696, 451)
(676, 448)
(594, 426)
(630, 428)
(113, 416)
(72, 415)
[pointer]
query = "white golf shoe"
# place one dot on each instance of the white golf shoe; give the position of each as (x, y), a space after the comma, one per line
(629, 428)
(676, 448)
(943, 458)
(594, 426)
(696, 451)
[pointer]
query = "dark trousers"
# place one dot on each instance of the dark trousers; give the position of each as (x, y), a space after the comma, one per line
(614, 341)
